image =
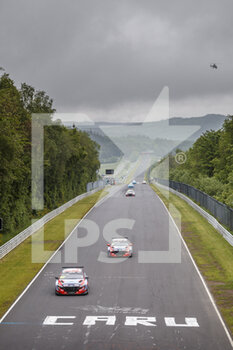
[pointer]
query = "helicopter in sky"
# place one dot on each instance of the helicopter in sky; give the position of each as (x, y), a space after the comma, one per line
(214, 66)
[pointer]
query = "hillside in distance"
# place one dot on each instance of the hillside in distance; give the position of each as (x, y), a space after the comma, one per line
(160, 137)
(171, 129)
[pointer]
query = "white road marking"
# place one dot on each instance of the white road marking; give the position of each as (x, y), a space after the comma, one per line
(202, 279)
(52, 321)
(91, 320)
(53, 255)
(87, 334)
(189, 322)
(129, 321)
(145, 321)
(114, 332)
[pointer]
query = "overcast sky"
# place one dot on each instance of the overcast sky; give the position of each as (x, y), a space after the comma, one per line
(111, 59)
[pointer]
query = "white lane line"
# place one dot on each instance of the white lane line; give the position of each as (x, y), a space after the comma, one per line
(199, 274)
(52, 256)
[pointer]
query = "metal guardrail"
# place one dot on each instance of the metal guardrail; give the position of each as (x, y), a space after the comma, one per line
(226, 234)
(220, 211)
(20, 237)
(93, 185)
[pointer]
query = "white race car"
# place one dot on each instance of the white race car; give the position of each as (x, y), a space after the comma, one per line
(130, 193)
(120, 247)
(71, 281)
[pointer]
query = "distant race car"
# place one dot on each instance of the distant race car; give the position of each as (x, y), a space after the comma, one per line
(120, 247)
(144, 182)
(134, 182)
(131, 185)
(72, 281)
(130, 193)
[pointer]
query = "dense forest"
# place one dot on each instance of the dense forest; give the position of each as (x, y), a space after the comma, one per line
(70, 156)
(209, 164)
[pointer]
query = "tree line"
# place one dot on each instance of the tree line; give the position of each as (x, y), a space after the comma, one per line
(209, 164)
(71, 158)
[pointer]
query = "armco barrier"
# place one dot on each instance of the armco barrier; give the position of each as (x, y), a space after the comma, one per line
(226, 234)
(19, 238)
(220, 211)
(93, 185)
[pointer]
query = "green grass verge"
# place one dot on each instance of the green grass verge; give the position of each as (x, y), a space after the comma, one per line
(16, 268)
(211, 252)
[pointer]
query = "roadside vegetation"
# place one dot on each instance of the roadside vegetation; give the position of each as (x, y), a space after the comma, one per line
(70, 157)
(17, 269)
(211, 252)
(209, 164)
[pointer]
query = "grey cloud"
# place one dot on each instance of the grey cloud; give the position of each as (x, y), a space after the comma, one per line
(104, 53)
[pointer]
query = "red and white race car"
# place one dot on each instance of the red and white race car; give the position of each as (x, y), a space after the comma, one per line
(120, 247)
(130, 193)
(72, 281)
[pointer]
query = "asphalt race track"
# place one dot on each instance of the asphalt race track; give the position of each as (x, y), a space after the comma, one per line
(131, 305)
